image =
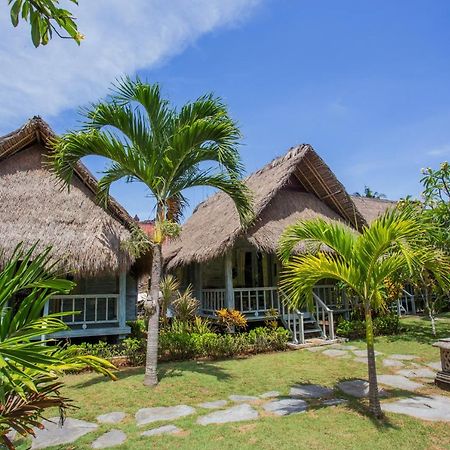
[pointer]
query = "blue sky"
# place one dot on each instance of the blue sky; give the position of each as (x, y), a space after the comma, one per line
(366, 83)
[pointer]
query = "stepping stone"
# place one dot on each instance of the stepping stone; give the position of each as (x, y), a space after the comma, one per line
(435, 365)
(110, 439)
(213, 405)
(399, 382)
(236, 413)
(148, 415)
(270, 394)
(403, 357)
(334, 353)
(422, 372)
(286, 406)
(392, 363)
(113, 417)
(165, 429)
(310, 391)
(53, 434)
(315, 349)
(363, 353)
(242, 398)
(356, 388)
(349, 347)
(334, 401)
(362, 360)
(434, 407)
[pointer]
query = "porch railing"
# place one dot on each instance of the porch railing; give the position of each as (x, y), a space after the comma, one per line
(87, 309)
(324, 317)
(256, 301)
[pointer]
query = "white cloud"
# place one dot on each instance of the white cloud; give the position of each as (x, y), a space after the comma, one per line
(122, 36)
(439, 151)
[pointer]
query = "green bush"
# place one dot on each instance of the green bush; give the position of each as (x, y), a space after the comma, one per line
(383, 325)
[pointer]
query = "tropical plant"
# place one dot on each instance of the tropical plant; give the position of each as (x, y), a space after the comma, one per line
(169, 287)
(392, 244)
(30, 364)
(369, 193)
(168, 150)
(231, 319)
(45, 18)
(185, 306)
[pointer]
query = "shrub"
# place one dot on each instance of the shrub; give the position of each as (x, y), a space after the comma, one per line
(138, 328)
(185, 306)
(231, 318)
(386, 324)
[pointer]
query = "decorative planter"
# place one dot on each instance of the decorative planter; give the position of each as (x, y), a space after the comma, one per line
(443, 377)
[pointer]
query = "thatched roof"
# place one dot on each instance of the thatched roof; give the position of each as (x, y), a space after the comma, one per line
(371, 208)
(86, 238)
(295, 186)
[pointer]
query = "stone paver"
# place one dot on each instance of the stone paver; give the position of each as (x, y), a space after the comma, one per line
(270, 394)
(435, 365)
(236, 413)
(165, 429)
(310, 391)
(110, 439)
(392, 363)
(399, 382)
(363, 353)
(286, 406)
(113, 417)
(403, 357)
(243, 398)
(356, 388)
(349, 347)
(333, 353)
(148, 415)
(53, 434)
(213, 405)
(420, 372)
(434, 408)
(334, 401)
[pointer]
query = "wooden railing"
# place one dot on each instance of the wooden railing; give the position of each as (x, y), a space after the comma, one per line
(256, 301)
(97, 308)
(324, 316)
(212, 300)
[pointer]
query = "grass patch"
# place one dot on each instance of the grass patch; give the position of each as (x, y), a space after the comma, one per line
(339, 427)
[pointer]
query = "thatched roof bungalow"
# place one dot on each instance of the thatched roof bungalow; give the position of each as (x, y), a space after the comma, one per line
(86, 239)
(238, 268)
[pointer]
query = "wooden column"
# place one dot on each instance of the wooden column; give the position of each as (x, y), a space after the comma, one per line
(122, 306)
(198, 282)
(228, 268)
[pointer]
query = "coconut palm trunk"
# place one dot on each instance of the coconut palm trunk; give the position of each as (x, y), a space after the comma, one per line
(374, 399)
(152, 310)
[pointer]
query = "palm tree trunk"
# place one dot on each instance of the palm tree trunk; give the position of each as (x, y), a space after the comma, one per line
(430, 310)
(151, 363)
(374, 399)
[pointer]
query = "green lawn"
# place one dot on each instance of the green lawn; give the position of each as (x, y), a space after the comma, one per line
(339, 427)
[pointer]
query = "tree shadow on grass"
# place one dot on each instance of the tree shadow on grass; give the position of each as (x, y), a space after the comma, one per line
(360, 405)
(165, 370)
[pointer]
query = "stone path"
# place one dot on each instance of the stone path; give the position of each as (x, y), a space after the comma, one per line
(270, 394)
(148, 415)
(333, 353)
(363, 353)
(310, 391)
(435, 407)
(236, 413)
(403, 357)
(165, 429)
(399, 382)
(213, 405)
(286, 406)
(53, 434)
(110, 439)
(243, 398)
(420, 372)
(392, 363)
(435, 365)
(356, 388)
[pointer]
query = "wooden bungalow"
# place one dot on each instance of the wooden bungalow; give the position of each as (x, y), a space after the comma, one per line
(236, 268)
(86, 239)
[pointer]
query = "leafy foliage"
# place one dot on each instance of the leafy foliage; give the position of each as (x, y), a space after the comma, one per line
(383, 325)
(29, 370)
(169, 287)
(45, 18)
(185, 306)
(393, 247)
(231, 318)
(369, 193)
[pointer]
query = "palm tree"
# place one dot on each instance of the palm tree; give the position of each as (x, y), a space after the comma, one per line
(362, 262)
(368, 193)
(168, 150)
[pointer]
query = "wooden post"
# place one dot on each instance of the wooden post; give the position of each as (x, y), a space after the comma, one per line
(198, 283)
(122, 306)
(265, 268)
(228, 266)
